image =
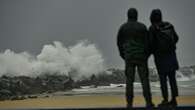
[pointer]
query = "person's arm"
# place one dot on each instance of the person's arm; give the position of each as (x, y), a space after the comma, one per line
(147, 44)
(176, 38)
(120, 41)
(151, 41)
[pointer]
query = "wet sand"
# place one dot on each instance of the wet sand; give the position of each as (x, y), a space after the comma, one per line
(85, 101)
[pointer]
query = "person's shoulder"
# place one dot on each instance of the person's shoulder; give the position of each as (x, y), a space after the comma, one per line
(166, 23)
(142, 25)
(123, 25)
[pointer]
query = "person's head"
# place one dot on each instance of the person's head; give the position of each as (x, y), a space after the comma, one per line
(132, 14)
(156, 16)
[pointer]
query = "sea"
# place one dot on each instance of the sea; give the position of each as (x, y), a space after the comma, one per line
(185, 82)
(186, 88)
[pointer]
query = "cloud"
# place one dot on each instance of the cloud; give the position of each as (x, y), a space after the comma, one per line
(83, 58)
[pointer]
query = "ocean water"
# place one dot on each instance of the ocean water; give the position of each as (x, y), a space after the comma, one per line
(185, 88)
(185, 81)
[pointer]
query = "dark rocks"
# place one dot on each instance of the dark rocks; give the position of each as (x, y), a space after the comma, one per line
(15, 88)
(17, 98)
(32, 96)
(4, 94)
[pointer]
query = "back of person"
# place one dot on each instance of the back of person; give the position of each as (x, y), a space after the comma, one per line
(134, 47)
(132, 40)
(163, 48)
(165, 37)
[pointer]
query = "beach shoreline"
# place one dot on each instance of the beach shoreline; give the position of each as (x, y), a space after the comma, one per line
(86, 101)
(105, 96)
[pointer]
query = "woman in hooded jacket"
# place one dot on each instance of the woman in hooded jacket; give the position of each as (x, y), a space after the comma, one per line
(164, 56)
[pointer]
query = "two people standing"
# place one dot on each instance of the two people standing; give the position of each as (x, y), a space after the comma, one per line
(136, 44)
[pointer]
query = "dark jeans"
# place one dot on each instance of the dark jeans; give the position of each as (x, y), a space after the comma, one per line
(144, 77)
(172, 81)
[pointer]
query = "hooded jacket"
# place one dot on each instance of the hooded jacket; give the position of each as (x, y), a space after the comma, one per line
(132, 39)
(159, 25)
(165, 62)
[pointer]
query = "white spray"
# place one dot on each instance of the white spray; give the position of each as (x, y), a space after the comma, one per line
(83, 57)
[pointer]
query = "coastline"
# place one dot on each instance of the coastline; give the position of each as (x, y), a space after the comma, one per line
(103, 96)
(85, 101)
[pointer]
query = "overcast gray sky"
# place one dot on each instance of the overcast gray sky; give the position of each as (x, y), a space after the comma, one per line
(27, 25)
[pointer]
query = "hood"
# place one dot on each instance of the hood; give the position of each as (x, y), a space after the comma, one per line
(156, 16)
(165, 26)
(132, 14)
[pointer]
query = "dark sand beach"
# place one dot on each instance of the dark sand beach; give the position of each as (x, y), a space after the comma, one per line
(103, 96)
(85, 102)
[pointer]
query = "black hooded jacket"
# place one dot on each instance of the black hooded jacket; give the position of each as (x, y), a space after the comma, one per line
(132, 39)
(165, 61)
(159, 25)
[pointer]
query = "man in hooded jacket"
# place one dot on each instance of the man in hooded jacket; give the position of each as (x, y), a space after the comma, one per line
(132, 45)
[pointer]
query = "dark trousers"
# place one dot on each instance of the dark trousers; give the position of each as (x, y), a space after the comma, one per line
(144, 77)
(172, 81)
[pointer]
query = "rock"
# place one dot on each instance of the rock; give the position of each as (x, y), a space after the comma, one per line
(32, 96)
(17, 98)
(4, 94)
